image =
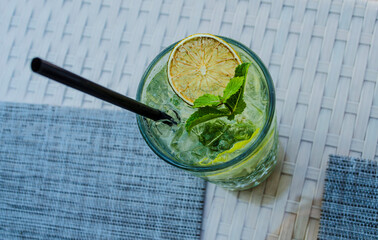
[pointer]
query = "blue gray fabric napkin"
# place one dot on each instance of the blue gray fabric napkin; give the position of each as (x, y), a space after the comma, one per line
(350, 201)
(69, 173)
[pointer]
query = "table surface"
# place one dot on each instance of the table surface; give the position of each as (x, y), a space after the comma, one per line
(322, 55)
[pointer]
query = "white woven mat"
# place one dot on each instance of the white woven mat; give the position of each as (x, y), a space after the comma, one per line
(323, 57)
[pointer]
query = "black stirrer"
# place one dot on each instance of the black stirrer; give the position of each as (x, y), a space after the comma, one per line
(70, 79)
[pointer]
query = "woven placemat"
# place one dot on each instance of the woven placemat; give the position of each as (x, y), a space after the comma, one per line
(350, 202)
(68, 173)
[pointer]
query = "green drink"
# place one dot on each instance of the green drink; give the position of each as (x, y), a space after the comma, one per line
(235, 153)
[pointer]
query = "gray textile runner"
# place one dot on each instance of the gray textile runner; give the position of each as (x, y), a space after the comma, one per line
(350, 202)
(69, 173)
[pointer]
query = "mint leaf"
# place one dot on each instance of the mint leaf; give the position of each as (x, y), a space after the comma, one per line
(211, 133)
(207, 100)
(232, 87)
(237, 108)
(208, 105)
(242, 130)
(235, 103)
(241, 70)
(218, 135)
(204, 114)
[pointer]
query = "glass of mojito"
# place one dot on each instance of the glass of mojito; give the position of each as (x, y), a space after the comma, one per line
(223, 99)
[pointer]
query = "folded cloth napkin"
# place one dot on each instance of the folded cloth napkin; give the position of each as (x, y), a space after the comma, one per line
(69, 173)
(350, 201)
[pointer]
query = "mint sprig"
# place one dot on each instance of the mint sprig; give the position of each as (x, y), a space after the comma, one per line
(230, 104)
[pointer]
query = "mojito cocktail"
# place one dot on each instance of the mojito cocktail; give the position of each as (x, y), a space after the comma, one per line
(227, 129)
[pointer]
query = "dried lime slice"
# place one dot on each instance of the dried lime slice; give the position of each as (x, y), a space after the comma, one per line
(201, 64)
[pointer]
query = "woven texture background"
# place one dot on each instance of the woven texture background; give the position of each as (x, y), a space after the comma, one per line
(69, 173)
(322, 55)
(350, 202)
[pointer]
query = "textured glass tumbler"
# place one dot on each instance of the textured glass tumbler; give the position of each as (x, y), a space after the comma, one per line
(249, 168)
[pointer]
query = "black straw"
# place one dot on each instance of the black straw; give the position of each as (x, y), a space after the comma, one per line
(70, 79)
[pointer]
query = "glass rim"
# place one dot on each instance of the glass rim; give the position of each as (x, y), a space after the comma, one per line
(235, 160)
